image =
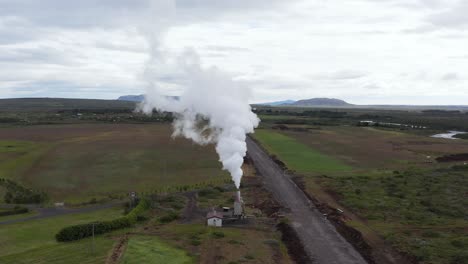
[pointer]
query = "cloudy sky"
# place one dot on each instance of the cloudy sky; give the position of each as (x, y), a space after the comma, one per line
(363, 51)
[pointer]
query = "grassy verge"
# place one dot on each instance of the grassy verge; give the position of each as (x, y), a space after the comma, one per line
(297, 156)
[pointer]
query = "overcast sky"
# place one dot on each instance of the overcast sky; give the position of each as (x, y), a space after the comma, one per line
(362, 51)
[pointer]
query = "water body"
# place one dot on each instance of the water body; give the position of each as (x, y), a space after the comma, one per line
(449, 135)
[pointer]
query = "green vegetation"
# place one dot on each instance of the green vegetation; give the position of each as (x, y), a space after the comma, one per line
(16, 210)
(23, 237)
(16, 157)
(18, 194)
(298, 156)
(145, 249)
(421, 211)
(77, 232)
(85, 251)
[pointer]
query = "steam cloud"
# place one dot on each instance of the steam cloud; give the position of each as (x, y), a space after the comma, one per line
(213, 107)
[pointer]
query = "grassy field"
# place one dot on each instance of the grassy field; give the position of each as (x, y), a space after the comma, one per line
(34, 241)
(298, 156)
(29, 235)
(76, 163)
(414, 203)
(80, 252)
(151, 250)
(370, 148)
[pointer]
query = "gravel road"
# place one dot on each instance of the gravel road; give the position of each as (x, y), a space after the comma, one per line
(319, 237)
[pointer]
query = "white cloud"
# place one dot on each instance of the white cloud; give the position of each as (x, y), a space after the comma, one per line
(283, 49)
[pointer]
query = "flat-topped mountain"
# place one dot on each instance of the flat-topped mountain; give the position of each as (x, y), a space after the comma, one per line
(321, 102)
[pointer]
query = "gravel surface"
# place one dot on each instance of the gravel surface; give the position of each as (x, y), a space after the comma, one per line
(319, 237)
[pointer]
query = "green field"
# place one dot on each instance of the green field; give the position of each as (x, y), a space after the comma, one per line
(298, 156)
(77, 163)
(151, 250)
(34, 237)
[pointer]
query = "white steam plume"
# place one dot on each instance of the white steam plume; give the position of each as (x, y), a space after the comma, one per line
(213, 108)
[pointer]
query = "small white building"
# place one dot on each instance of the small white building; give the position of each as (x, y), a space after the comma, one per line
(214, 218)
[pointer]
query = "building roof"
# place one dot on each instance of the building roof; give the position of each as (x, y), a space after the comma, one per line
(214, 214)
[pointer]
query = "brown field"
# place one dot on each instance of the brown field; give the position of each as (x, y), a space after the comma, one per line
(79, 162)
(374, 148)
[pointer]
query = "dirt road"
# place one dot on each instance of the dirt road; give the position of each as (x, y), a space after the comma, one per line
(320, 238)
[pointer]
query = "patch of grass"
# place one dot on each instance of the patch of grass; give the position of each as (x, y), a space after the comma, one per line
(169, 217)
(297, 156)
(16, 157)
(217, 234)
(79, 252)
(146, 249)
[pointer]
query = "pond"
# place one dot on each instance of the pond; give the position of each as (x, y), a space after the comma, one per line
(448, 135)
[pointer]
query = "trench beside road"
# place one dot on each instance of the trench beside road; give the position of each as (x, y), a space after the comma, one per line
(320, 239)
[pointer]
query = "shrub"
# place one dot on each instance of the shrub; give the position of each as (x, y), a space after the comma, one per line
(77, 232)
(217, 234)
(168, 217)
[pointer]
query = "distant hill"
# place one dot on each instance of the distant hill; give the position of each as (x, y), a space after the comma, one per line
(141, 98)
(323, 102)
(285, 102)
(53, 104)
(132, 98)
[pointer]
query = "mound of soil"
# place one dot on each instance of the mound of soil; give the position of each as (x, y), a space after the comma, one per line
(453, 158)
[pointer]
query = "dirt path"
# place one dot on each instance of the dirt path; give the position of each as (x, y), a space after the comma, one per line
(53, 212)
(320, 238)
(191, 211)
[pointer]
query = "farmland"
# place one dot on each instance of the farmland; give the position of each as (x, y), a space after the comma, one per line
(34, 241)
(392, 188)
(386, 179)
(75, 163)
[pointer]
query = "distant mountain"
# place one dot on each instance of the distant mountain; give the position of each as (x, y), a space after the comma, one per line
(141, 98)
(132, 98)
(325, 102)
(285, 102)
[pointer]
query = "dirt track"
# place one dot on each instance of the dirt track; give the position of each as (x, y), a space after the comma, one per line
(320, 238)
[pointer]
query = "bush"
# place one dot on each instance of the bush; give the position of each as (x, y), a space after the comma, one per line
(217, 234)
(168, 217)
(16, 210)
(19, 194)
(77, 232)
